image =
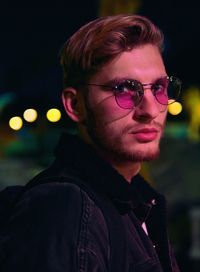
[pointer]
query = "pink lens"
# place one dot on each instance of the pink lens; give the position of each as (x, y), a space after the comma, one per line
(162, 98)
(125, 100)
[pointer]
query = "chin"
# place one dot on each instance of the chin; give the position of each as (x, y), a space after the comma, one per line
(145, 152)
(142, 155)
(139, 156)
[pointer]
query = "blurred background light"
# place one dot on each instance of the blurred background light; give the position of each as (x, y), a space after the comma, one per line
(175, 108)
(53, 115)
(16, 123)
(30, 115)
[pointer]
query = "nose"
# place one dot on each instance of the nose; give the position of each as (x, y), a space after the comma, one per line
(149, 108)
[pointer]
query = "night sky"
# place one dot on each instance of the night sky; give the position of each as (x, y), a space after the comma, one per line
(31, 37)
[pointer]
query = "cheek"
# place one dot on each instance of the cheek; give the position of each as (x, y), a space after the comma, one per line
(163, 116)
(107, 111)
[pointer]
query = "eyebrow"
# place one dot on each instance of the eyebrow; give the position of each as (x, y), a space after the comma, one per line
(115, 81)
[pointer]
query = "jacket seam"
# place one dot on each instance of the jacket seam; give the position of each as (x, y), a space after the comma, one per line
(83, 237)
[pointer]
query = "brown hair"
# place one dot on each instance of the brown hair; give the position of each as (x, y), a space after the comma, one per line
(101, 40)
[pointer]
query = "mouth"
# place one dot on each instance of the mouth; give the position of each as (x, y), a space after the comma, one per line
(145, 135)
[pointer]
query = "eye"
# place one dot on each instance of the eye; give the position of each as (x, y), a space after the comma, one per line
(129, 86)
(123, 87)
(160, 86)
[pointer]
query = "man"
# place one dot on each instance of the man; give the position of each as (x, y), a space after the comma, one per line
(91, 210)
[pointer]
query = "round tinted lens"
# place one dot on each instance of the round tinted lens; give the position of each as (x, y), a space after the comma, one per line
(129, 94)
(167, 90)
(160, 90)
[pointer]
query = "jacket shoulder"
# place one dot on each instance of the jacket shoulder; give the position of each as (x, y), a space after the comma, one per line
(60, 220)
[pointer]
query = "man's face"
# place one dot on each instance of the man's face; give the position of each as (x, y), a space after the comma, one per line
(126, 134)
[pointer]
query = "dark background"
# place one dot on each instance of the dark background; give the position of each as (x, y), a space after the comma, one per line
(31, 36)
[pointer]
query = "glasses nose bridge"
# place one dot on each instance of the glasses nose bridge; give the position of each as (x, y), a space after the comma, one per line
(147, 86)
(148, 102)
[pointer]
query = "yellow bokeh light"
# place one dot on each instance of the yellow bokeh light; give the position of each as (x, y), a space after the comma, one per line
(30, 115)
(175, 108)
(53, 115)
(16, 123)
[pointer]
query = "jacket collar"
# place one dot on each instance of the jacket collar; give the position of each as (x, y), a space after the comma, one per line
(80, 159)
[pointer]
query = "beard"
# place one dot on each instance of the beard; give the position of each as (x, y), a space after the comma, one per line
(105, 142)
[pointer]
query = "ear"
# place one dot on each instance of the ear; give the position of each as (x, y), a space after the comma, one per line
(70, 101)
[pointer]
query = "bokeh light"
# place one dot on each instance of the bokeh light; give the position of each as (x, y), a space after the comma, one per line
(16, 123)
(175, 108)
(53, 115)
(30, 115)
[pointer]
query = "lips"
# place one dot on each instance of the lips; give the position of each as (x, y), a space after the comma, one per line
(145, 134)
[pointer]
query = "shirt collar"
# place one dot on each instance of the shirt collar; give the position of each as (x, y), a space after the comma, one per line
(81, 159)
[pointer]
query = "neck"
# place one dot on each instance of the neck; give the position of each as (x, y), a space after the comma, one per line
(128, 169)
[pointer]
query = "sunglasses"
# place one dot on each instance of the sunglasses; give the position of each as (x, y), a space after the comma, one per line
(129, 93)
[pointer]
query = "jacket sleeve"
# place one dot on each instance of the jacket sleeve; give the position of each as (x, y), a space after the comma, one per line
(48, 232)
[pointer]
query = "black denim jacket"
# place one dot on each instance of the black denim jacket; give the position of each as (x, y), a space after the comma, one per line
(56, 226)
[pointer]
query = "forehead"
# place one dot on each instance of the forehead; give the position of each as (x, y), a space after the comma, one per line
(143, 63)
